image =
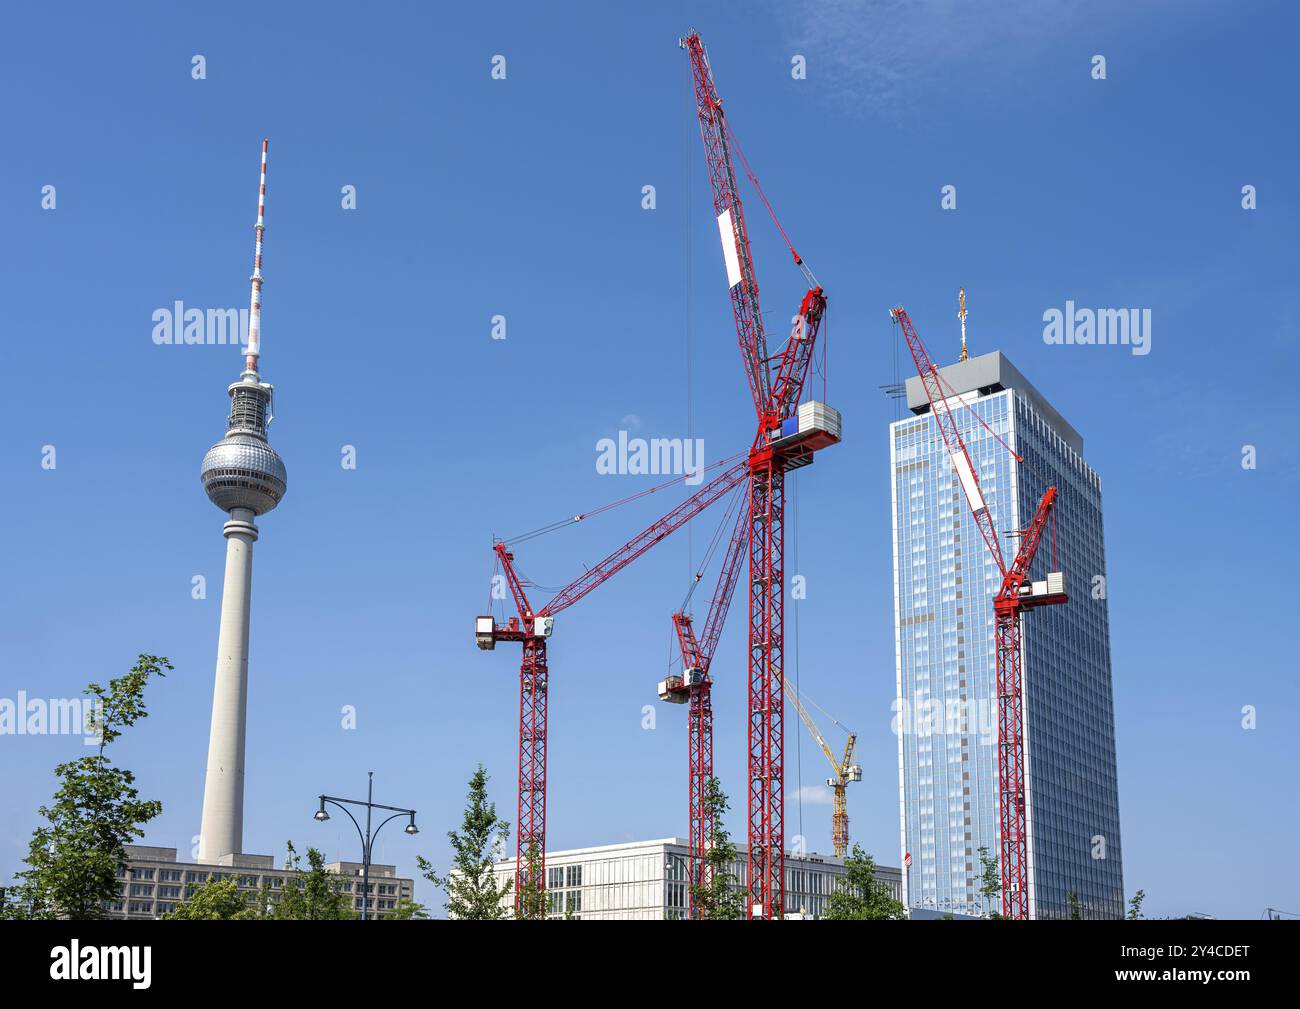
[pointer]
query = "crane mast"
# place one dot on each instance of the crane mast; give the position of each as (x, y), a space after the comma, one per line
(786, 438)
(695, 687)
(1015, 595)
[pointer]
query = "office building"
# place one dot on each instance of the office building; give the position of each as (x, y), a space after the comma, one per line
(154, 882)
(945, 656)
(646, 880)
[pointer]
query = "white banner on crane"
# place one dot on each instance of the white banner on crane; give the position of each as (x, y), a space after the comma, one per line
(730, 255)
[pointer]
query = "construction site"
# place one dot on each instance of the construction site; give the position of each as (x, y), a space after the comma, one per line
(793, 424)
(854, 637)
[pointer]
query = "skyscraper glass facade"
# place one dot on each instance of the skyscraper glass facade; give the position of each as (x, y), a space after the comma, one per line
(946, 663)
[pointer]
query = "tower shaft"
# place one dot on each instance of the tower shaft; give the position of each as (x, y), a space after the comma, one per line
(222, 830)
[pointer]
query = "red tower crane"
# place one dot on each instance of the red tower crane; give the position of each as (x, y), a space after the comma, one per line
(1015, 595)
(531, 628)
(695, 687)
(788, 434)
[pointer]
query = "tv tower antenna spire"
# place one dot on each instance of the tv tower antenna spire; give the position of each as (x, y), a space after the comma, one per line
(255, 306)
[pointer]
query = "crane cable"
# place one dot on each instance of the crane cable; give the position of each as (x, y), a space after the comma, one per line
(698, 576)
(562, 523)
(753, 179)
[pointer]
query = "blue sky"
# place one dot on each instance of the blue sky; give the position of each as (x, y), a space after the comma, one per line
(522, 197)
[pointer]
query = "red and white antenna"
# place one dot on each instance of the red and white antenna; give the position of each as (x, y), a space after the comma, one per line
(254, 349)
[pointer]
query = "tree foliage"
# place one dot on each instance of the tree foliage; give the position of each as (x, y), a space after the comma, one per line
(473, 892)
(859, 896)
(310, 895)
(313, 895)
(990, 882)
(73, 860)
(407, 910)
(1135, 905)
(532, 900)
(718, 898)
(215, 900)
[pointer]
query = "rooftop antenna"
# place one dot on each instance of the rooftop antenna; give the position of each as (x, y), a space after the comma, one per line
(255, 307)
(961, 301)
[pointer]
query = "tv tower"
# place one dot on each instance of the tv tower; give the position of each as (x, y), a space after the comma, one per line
(244, 476)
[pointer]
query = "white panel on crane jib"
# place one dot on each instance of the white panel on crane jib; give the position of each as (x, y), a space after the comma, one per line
(730, 255)
(968, 483)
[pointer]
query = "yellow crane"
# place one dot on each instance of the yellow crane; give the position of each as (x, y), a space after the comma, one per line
(844, 768)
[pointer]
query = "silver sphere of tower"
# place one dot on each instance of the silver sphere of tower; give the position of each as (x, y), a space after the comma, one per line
(243, 470)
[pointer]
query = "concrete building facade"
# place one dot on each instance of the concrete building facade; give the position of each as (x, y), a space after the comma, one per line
(946, 660)
(154, 882)
(646, 880)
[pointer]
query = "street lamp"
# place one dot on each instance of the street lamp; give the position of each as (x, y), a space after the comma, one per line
(367, 836)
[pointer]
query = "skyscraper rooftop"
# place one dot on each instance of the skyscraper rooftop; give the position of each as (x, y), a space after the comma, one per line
(992, 373)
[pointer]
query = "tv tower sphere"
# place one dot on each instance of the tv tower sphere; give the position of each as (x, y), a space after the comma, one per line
(242, 470)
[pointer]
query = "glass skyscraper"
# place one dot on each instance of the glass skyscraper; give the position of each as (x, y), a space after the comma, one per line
(946, 661)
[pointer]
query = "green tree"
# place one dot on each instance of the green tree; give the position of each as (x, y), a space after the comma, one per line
(1135, 905)
(990, 881)
(859, 896)
(313, 895)
(531, 902)
(407, 910)
(473, 892)
(1072, 899)
(719, 898)
(215, 900)
(74, 859)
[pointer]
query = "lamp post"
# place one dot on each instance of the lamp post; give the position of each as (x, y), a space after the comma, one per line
(367, 835)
